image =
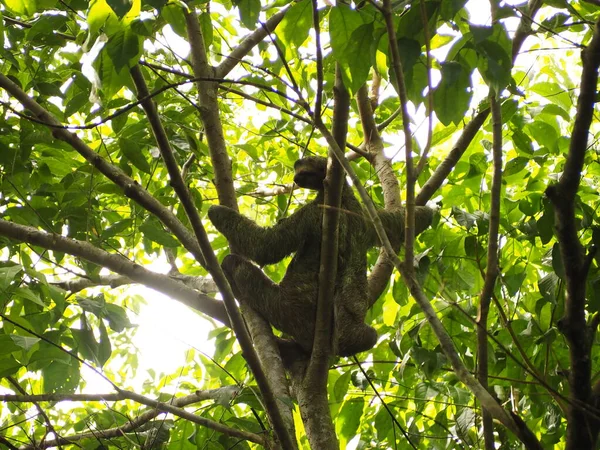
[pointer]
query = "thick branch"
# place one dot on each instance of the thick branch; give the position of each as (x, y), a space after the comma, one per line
(383, 268)
(204, 285)
(318, 368)
(130, 188)
(79, 284)
(118, 264)
(491, 267)
(409, 228)
(582, 429)
(209, 113)
(248, 44)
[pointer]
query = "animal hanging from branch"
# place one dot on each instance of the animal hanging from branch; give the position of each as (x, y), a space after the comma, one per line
(291, 305)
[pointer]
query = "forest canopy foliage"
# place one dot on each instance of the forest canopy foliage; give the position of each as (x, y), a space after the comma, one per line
(123, 121)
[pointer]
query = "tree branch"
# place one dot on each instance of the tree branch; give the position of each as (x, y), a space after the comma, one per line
(325, 334)
(582, 429)
(248, 43)
(118, 264)
(205, 285)
(409, 228)
(209, 112)
(491, 267)
(443, 170)
(383, 268)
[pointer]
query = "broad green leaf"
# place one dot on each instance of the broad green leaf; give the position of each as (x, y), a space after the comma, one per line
(343, 21)
(249, 12)
(295, 26)
(173, 14)
(349, 418)
(123, 48)
(557, 262)
(21, 7)
(28, 294)
(9, 366)
(341, 386)
(8, 275)
(134, 153)
(544, 134)
(87, 346)
(515, 166)
(153, 230)
(355, 59)
(101, 16)
(111, 81)
(207, 29)
(47, 25)
(61, 377)
(25, 342)
(104, 346)
(548, 285)
(452, 96)
(117, 317)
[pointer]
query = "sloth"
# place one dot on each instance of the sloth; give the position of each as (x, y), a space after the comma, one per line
(291, 305)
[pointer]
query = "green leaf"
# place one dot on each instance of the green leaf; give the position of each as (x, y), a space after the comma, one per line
(515, 165)
(8, 345)
(481, 33)
(173, 15)
(76, 104)
(249, 12)
(25, 342)
(545, 224)
(134, 153)
(349, 418)
(101, 15)
(544, 134)
(152, 229)
(452, 97)
(120, 7)
(522, 142)
(341, 386)
(28, 294)
(61, 377)
(124, 49)
(557, 262)
(117, 317)
(207, 29)
(9, 366)
(355, 59)
(343, 21)
(104, 347)
(295, 26)
(547, 286)
(8, 275)
(47, 24)
(21, 7)
(494, 48)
